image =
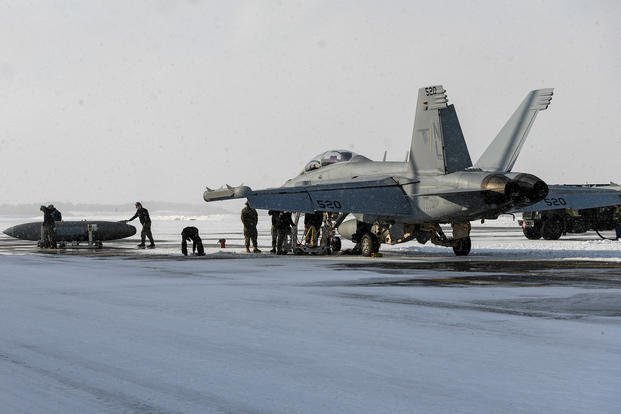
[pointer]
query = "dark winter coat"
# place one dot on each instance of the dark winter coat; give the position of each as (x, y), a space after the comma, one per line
(285, 222)
(313, 219)
(275, 216)
(143, 215)
(249, 217)
(191, 234)
(48, 218)
(56, 215)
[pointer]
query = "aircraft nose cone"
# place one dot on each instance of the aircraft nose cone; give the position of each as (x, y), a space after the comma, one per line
(10, 231)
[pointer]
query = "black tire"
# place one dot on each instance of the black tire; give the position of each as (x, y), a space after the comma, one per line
(462, 246)
(335, 244)
(552, 229)
(532, 233)
(577, 225)
(369, 244)
(423, 237)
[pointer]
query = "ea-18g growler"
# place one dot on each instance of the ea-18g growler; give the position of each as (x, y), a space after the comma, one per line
(394, 202)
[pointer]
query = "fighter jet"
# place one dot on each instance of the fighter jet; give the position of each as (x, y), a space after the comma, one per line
(394, 202)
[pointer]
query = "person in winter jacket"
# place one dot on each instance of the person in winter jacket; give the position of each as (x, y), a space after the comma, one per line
(143, 215)
(191, 233)
(250, 218)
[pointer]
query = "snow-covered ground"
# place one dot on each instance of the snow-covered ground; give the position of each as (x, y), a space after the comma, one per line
(237, 333)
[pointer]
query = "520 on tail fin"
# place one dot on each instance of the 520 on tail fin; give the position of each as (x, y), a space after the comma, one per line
(438, 145)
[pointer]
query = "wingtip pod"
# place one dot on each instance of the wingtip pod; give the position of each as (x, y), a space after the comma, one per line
(226, 193)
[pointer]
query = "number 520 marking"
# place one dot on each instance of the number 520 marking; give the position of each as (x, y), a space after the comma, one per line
(329, 204)
(555, 201)
(431, 90)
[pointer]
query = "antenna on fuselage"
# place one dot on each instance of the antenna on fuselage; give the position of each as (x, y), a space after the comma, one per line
(385, 152)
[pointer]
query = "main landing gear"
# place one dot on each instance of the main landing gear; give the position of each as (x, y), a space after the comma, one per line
(369, 244)
(460, 241)
(461, 247)
(369, 237)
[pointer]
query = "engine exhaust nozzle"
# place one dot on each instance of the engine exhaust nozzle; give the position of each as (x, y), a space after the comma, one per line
(499, 188)
(531, 187)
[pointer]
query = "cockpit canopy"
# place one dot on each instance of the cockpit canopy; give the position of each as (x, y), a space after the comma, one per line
(329, 158)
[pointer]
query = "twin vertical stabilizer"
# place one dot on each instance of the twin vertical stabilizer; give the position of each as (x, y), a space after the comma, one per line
(504, 150)
(438, 145)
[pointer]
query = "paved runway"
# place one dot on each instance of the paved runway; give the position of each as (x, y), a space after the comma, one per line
(514, 327)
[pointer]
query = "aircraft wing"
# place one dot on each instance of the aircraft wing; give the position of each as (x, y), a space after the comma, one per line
(383, 196)
(577, 197)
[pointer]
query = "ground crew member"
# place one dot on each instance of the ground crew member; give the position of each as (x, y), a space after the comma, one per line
(275, 217)
(284, 229)
(55, 213)
(48, 230)
(616, 218)
(312, 225)
(143, 215)
(191, 233)
(250, 218)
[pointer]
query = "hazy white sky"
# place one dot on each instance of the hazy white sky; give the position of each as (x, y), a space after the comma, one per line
(117, 101)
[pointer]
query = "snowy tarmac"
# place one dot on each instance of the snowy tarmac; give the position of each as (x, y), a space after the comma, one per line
(517, 326)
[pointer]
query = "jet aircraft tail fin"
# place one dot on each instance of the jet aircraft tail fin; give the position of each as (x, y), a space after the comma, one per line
(438, 145)
(504, 150)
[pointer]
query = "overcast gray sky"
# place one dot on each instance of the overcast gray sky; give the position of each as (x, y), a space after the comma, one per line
(117, 101)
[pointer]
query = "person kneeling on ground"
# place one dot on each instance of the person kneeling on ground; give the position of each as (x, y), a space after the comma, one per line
(191, 233)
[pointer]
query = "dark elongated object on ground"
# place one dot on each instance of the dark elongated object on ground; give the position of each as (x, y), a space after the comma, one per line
(69, 231)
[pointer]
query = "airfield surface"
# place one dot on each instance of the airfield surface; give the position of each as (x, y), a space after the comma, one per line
(517, 326)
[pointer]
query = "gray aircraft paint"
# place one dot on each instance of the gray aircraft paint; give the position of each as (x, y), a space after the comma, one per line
(504, 150)
(436, 185)
(578, 197)
(438, 145)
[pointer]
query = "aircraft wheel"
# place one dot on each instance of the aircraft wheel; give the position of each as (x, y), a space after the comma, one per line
(335, 244)
(462, 246)
(552, 229)
(423, 237)
(369, 244)
(532, 233)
